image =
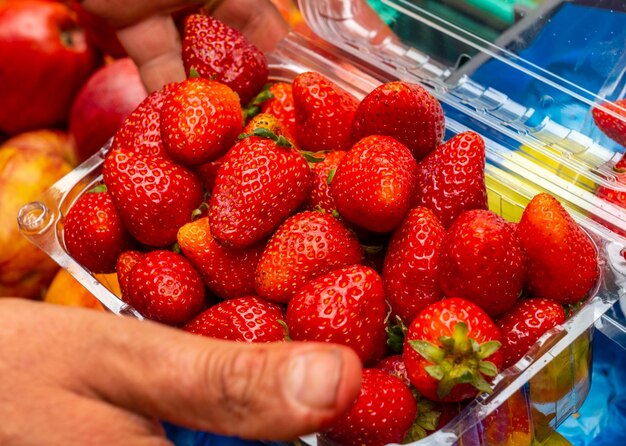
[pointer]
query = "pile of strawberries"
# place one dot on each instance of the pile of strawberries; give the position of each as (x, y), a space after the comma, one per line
(325, 218)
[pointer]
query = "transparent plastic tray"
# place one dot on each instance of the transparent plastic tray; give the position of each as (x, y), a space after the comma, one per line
(553, 379)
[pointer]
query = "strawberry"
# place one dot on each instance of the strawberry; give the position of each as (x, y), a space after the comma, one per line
(346, 306)
(200, 120)
(450, 349)
(125, 263)
(226, 272)
(281, 105)
(323, 173)
(94, 233)
(524, 324)
(307, 245)
(404, 111)
(394, 365)
(261, 183)
(561, 259)
(451, 179)
(165, 287)
(154, 195)
(382, 413)
(482, 261)
(244, 319)
(324, 113)
(217, 51)
(411, 264)
(208, 172)
(374, 183)
(620, 166)
(271, 123)
(613, 127)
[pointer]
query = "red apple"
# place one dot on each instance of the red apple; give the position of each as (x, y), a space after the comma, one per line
(103, 103)
(44, 60)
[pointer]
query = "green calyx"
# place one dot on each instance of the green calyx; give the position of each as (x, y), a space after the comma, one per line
(97, 189)
(459, 360)
(331, 175)
(265, 133)
(396, 331)
(193, 73)
(176, 248)
(199, 211)
(253, 108)
(425, 422)
(312, 157)
(286, 328)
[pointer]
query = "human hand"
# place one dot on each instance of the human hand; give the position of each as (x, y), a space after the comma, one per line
(74, 376)
(149, 35)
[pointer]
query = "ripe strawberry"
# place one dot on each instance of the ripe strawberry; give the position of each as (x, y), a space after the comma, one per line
(218, 51)
(561, 260)
(261, 183)
(165, 287)
(226, 272)
(446, 350)
(524, 324)
(200, 120)
(154, 195)
(346, 306)
(374, 183)
(125, 263)
(281, 105)
(208, 172)
(451, 179)
(482, 261)
(404, 111)
(271, 123)
(323, 173)
(324, 113)
(394, 365)
(307, 245)
(94, 233)
(383, 413)
(244, 319)
(411, 264)
(620, 166)
(613, 127)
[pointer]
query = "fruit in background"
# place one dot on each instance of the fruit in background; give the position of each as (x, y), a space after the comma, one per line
(99, 33)
(524, 324)
(125, 263)
(323, 174)
(451, 180)
(244, 319)
(45, 58)
(50, 142)
(200, 120)
(382, 413)
(165, 287)
(217, 51)
(561, 260)
(281, 105)
(450, 358)
(65, 290)
(263, 181)
(482, 261)
(374, 184)
(25, 174)
(404, 111)
(394, 365)
(346, 306)
(324, 113)
(611, 126)
(307, 245)
(103, 103)
(94, 233)
(411, 264)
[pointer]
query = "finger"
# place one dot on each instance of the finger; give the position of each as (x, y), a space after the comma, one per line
(122, 13)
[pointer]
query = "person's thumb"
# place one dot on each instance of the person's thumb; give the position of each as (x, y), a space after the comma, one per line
(263, 391)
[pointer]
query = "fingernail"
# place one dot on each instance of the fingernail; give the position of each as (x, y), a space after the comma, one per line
(313, 378)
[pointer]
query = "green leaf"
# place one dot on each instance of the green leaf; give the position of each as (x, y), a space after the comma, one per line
(311, 157)
(251, 112)
(286, 328)
(459, 333)
(264, 95)
(461, 374)
(487, 368)
(488, 348)
(193, 73)
(435, 371)
(283, 142)
(415, 433)
(480, 383)
(98, 189)
(176, 248)
(331, 175)
(204, 206)
(428, 350)
(395, 337)
(445, 387)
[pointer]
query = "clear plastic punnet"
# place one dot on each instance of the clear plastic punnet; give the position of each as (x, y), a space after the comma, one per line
(529, 150)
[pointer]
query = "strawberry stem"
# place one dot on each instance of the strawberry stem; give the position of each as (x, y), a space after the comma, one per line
(98, 189)
(253, 109)
(286, 328)
(331, 175)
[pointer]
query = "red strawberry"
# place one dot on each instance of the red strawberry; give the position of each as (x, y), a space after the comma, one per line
(451, 179)
(383, 413)
(394, 365)
(482, 261)
(346, 306)
(524, 324)
(411, 264)
(620, 166)
(94, 233)
(226, 272)
(449, 350)
(281, 105)
(324, 172)
(307, 245)
(561, 260)
(261, 183)
(244, 319)
(163, 286)
(208, 172)
(200, 120)
(407, 112)
(218, 51)
(125, 263)
(154, 195)
(613, 127)
(324, 113)
(271, 123)
(374, 183)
